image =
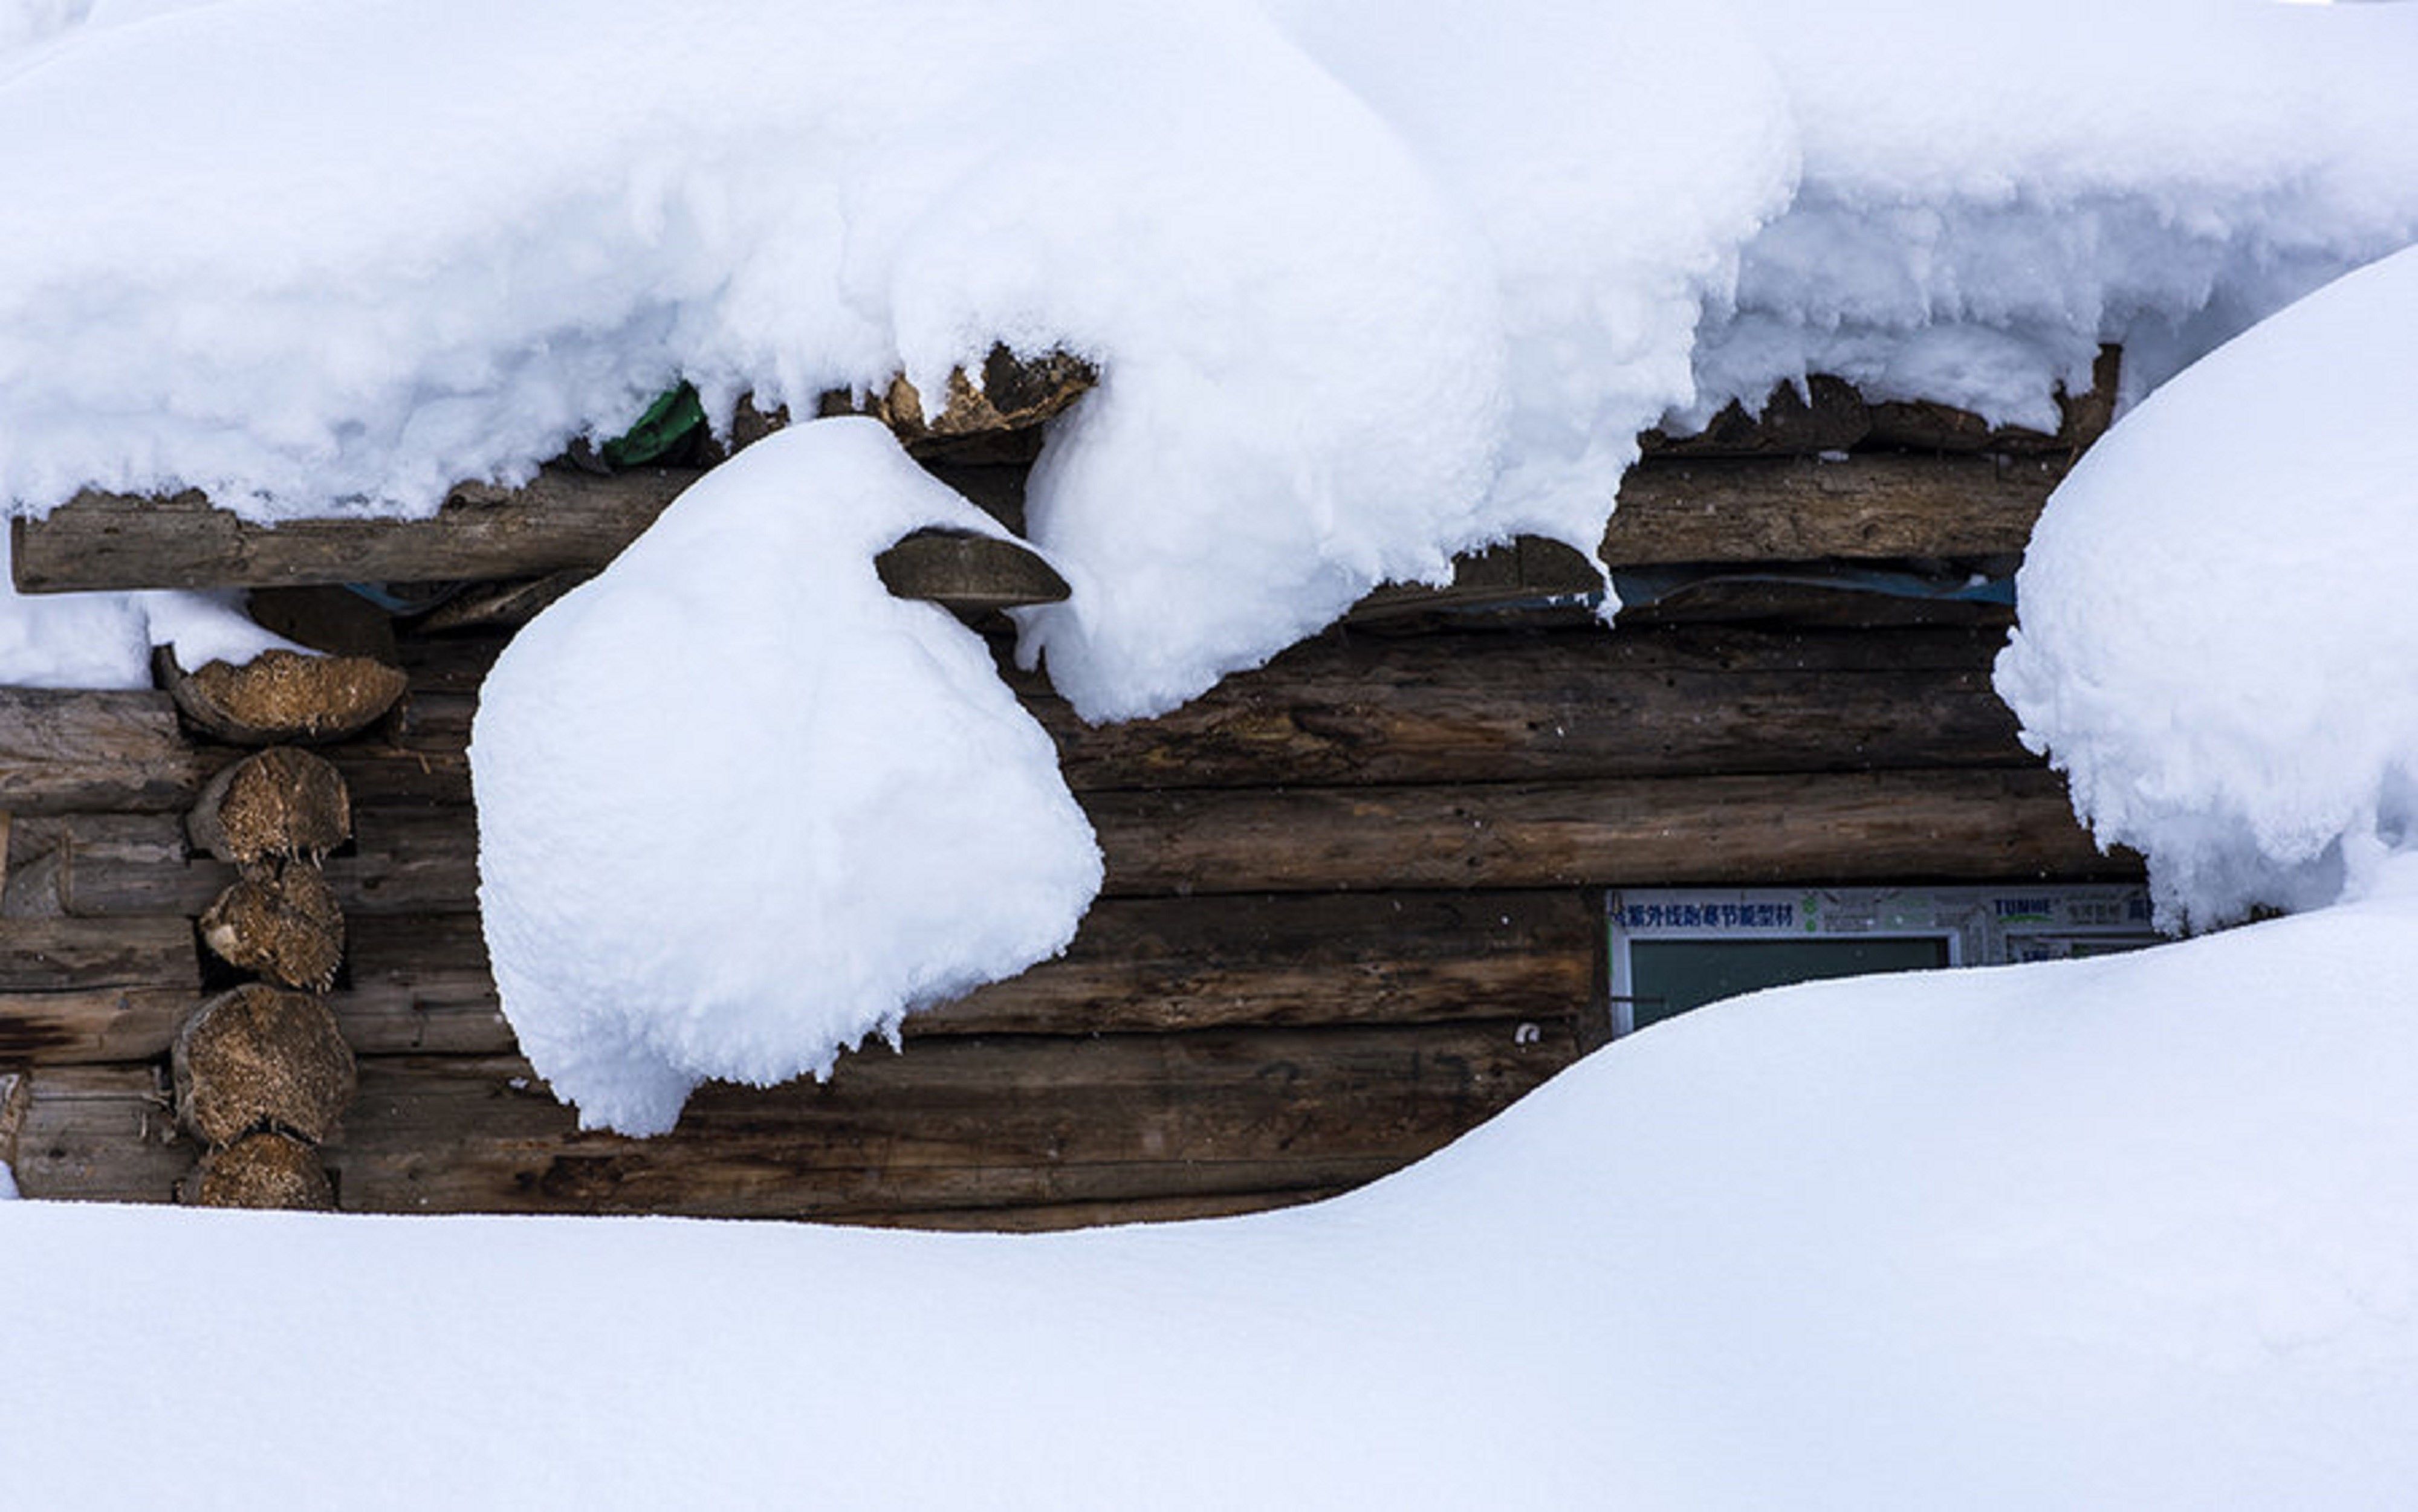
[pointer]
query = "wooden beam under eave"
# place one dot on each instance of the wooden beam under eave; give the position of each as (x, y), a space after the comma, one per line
(1725, 510)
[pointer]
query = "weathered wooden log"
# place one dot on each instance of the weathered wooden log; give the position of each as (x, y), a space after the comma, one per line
(280, 922)
(1978, 824)
(278, 804)
(420, 985)
(117, 752)
(1828, 415)
(282, 697)
(1482, 706)
(257, 1058)
(1811, 827)
(68, 954)
(953, 1124)
(117, 847)
(1488, 707)
(1870, 508)
(264, 1169)
(99, 1132)
(92, 1025)
(1671, 511)
(402, 861)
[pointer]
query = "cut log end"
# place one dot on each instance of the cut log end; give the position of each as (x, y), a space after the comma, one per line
(265, 1169)
(283, 922)
(256, 1057)
(280, 698)
(281, 803)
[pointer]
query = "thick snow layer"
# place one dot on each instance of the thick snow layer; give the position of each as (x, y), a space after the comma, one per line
(1990, 190)
(739, 807)
(1370, 283)
(2218, 642)
(2134, 1232)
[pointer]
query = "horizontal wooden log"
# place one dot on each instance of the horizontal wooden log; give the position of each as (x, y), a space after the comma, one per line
(402, 861)
(420, 984)
(1974, 824)
(1489, 706)
(566, 520)
(91, 1025)
(951, 1125)
(101, 1134)
(1762, 829)
(79, 750)
(1482, 705)
(1867, 507)
(1670, 510)
(65, 954)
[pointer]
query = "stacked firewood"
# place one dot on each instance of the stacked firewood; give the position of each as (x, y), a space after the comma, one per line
(262, 1073)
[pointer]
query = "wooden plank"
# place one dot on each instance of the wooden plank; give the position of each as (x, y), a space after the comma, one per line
(420, 984)
(1809, 828)
(91, 1025)
(64, 955)
(64, 750)
(103, 1133)
(951, 1125)
(1708, 509)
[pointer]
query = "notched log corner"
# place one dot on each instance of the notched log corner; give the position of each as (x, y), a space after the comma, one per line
(263, 1169)
(276, 804)
(280, 922)
(256, 1057)
(280, 698)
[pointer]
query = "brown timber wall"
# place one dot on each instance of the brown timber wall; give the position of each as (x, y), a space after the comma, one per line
(1353, 909)
(1354, 902)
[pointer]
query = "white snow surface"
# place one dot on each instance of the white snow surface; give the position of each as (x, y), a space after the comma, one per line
(1370, 283)
(2218, 643)
(2134, 1232)
(739, 807)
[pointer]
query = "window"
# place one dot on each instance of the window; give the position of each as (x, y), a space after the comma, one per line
(1675, 949)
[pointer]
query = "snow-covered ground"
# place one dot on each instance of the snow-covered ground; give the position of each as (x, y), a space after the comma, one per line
(2132, 1233)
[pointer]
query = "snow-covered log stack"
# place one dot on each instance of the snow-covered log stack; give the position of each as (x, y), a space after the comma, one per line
(1354, 899)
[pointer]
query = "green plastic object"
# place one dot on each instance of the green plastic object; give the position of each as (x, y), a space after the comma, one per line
(667, 425)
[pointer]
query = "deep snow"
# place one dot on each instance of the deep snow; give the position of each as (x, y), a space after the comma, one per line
(2140, 1231)
(2218, 643)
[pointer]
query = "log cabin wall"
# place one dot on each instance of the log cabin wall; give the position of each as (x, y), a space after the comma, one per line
(1354, 899)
